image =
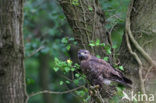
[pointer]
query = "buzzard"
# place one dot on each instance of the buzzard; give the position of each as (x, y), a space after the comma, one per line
(99, 72)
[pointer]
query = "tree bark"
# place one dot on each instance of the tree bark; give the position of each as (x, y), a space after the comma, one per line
(87, 21)
(12, 78)
(141, 31)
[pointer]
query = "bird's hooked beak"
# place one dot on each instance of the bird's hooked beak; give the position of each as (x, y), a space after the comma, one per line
(81, 56)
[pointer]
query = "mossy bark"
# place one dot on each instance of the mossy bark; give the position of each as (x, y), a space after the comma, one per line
(87, 21)
(12, 78)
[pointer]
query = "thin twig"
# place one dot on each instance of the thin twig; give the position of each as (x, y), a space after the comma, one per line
(36, 51)
(54, 92)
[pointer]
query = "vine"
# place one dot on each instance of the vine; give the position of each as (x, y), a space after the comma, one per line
(129, 37)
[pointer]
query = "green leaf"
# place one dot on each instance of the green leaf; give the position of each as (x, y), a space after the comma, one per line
(87, 99)
(64, 40)
(97, 42)
(67, 82)
(71, 39)
(77, 65)
(72, 69)
(121, 68)
(75, 2)
(29, 81)
(114, 46)
(68, 47)
(56, 69)
(105, 59)
(76, 81)
(77, 75)
(102, 44)
(67, 69)
(109, 51)
(61, 17)
(81, 93)
(90, 8)
(91, 44)
(56, 59)
(119, 91)
(61, 82)
(75, 43)
(98, 56)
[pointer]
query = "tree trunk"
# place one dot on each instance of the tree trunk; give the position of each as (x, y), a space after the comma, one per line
(12, 78)
(87, 22)
(139, 57)
(44, 76)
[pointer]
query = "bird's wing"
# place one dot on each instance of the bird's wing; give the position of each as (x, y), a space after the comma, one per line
(106, 68)
(109, 72)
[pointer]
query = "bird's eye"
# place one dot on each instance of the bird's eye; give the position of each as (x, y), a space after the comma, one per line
(85, 52)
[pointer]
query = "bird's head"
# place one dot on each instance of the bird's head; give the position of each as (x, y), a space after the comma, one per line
(83, 54)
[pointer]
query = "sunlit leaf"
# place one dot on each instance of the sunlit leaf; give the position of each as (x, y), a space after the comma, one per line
(61, 82)
(105, 58)
(77, 75)
(90, 8)
(56, 69)
(121, 68)
(68, 82)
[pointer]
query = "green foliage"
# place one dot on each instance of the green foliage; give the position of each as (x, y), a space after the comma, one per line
(68, 42)
(65, 66)
(61, 82)
(98, 43)
(121, 68)
(75, 2)
(105, 59)
(119, 94)
(107, 48)
(115, 13)
(29, 81)
(68, 67)
(98, 56)
(90, 8)
(43, 22)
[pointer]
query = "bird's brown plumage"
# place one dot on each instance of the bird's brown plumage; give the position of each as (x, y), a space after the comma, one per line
(99, 71)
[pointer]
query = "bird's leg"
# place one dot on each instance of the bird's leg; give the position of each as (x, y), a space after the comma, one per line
(95, 87)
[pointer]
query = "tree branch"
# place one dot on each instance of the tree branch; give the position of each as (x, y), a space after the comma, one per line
(36, 51)
(54, 92)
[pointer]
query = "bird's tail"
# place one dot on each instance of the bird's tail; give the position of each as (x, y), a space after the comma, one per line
(126, 82)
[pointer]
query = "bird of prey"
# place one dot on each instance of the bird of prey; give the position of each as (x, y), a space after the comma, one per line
(99, 72)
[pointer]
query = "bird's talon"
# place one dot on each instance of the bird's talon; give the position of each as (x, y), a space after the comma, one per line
(91, 92)
(97, 86)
